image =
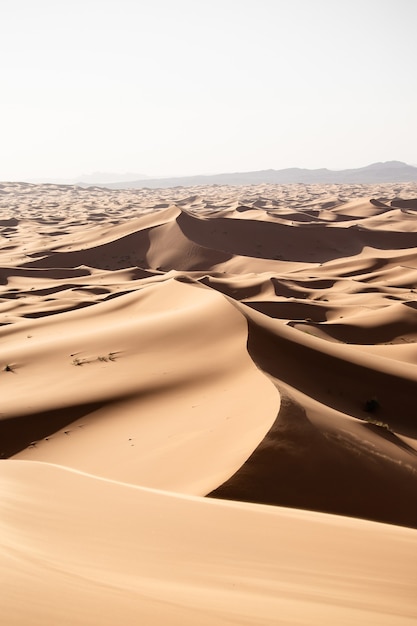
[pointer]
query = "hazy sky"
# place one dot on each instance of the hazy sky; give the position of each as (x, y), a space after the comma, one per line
(176, 87)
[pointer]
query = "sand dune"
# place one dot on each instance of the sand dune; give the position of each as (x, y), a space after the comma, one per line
(82, 550)
(256, 345)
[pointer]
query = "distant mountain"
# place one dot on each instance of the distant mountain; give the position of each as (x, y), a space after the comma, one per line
(388, 172)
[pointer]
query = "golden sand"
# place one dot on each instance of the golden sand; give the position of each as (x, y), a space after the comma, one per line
(256, 345)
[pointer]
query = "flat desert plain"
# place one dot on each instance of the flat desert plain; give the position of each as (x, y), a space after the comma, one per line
(208, 405)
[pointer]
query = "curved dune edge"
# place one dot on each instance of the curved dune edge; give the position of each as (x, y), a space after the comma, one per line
(167, 395)
(324, 451)
(254, 344)
(81, 549)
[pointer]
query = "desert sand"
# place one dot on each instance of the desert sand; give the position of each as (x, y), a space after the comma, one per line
(208, 405)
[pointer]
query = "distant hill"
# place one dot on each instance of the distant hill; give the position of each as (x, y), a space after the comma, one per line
(388, 172)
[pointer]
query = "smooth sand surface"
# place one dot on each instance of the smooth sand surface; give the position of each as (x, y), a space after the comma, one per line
(208, 407)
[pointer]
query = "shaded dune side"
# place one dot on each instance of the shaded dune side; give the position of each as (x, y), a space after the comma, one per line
(27, 430)
(309, 242)
(334, 469)
(405, 204)
(166, 393)
(334, 375)
(338, 272)
(195, 243)
(344, 376)
(382, 484)
(381, 326)
(160, 246)
(54, 273)
(316, 456)
(127, 251)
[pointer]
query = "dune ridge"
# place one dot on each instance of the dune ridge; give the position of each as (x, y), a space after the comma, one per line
(256, 345)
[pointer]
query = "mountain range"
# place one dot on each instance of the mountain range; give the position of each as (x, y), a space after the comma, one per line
(383, 172)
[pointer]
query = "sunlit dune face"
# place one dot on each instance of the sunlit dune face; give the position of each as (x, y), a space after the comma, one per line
(207, 409)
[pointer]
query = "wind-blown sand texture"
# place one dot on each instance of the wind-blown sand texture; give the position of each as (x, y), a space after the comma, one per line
(256, 345)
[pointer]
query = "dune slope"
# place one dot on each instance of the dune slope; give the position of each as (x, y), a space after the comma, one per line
(82, 550)
(254, 345)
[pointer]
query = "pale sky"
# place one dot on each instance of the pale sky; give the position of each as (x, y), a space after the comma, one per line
(180, 87)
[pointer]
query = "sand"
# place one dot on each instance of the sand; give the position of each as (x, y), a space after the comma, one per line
(208, 405)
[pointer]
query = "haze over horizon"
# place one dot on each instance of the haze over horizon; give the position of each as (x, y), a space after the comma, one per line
(183, 88)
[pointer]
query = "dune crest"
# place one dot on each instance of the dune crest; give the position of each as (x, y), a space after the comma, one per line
(256, 345)
(172, 386)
